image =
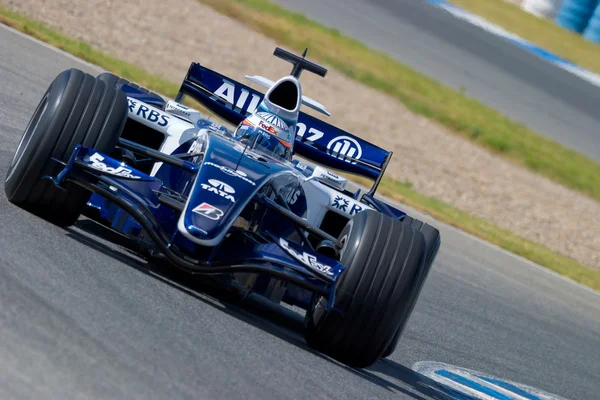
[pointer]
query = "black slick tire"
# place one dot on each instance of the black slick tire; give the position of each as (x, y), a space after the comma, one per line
(382, 259)
(76, 109)
(432, 245)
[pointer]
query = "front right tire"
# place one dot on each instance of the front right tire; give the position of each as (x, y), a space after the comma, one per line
(432, 245)
(382, 258)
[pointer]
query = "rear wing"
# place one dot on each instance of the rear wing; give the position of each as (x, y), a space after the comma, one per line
(316, 140)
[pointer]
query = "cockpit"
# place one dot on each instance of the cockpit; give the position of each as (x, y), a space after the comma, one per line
(264, 141)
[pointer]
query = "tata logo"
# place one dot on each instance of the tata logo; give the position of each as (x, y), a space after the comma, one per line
(220, 188)
(344, 148)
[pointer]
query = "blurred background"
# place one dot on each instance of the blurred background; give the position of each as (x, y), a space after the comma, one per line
(580, 16)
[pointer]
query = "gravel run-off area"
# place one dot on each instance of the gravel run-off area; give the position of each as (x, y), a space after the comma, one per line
(165, 36)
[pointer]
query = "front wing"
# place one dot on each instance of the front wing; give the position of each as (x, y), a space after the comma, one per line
(139, 206)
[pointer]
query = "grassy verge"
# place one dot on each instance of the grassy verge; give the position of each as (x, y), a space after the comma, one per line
(422, 95)
(544, 33)
(400, 191)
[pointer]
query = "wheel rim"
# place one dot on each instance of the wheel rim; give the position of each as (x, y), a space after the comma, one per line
(344, 239)
(28, 134)
(318, 300)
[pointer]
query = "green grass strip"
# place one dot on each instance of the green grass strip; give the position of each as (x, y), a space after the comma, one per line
(401, 191)
(422, 95)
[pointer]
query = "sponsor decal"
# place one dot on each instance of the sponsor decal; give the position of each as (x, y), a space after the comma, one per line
(294, 197)
(331, 178)
(313, 134)
(307, 259)
(209, 211)
(211, 126)
(273, 119)
(196, 146)
(290, 193)
(343, 147)
(301, 166)
(268, 128)
(146, 113)
(194, 227)
(342, 204)
(229, 171)
(220, 188)
(227, 92)
(96, 163)
(177, 108)
(331, 175)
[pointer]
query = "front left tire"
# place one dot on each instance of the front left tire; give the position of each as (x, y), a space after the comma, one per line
(76, 109)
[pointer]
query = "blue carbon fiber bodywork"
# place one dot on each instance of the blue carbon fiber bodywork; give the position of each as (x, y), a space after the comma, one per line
(191, 209)
(247, 174)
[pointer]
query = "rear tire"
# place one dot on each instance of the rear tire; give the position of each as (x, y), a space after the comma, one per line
(432, 245)
(76, 109)
(382, 259)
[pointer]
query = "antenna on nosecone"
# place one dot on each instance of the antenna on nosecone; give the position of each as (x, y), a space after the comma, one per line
(300, 63)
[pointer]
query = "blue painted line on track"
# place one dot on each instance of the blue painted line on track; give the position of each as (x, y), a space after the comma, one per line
(508, 386)
(472, 384)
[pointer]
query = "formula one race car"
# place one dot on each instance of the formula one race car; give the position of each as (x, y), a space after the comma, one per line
(231, 200)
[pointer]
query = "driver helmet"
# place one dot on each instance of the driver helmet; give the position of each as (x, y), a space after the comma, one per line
(273, 140)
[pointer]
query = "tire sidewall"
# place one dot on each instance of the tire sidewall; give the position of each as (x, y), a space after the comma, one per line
(374, 249)
(350, 239)
(25, 171)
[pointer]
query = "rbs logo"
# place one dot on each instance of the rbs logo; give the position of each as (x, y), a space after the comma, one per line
(147, 114)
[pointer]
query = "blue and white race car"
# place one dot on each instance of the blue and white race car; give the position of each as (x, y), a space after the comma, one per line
(233, 199)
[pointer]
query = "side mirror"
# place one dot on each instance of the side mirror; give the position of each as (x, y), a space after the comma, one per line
(328, 178)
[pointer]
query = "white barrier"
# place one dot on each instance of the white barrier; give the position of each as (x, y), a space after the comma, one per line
(542, 8)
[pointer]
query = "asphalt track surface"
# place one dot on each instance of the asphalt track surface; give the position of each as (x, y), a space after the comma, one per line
(544, 97)
(81, 317)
